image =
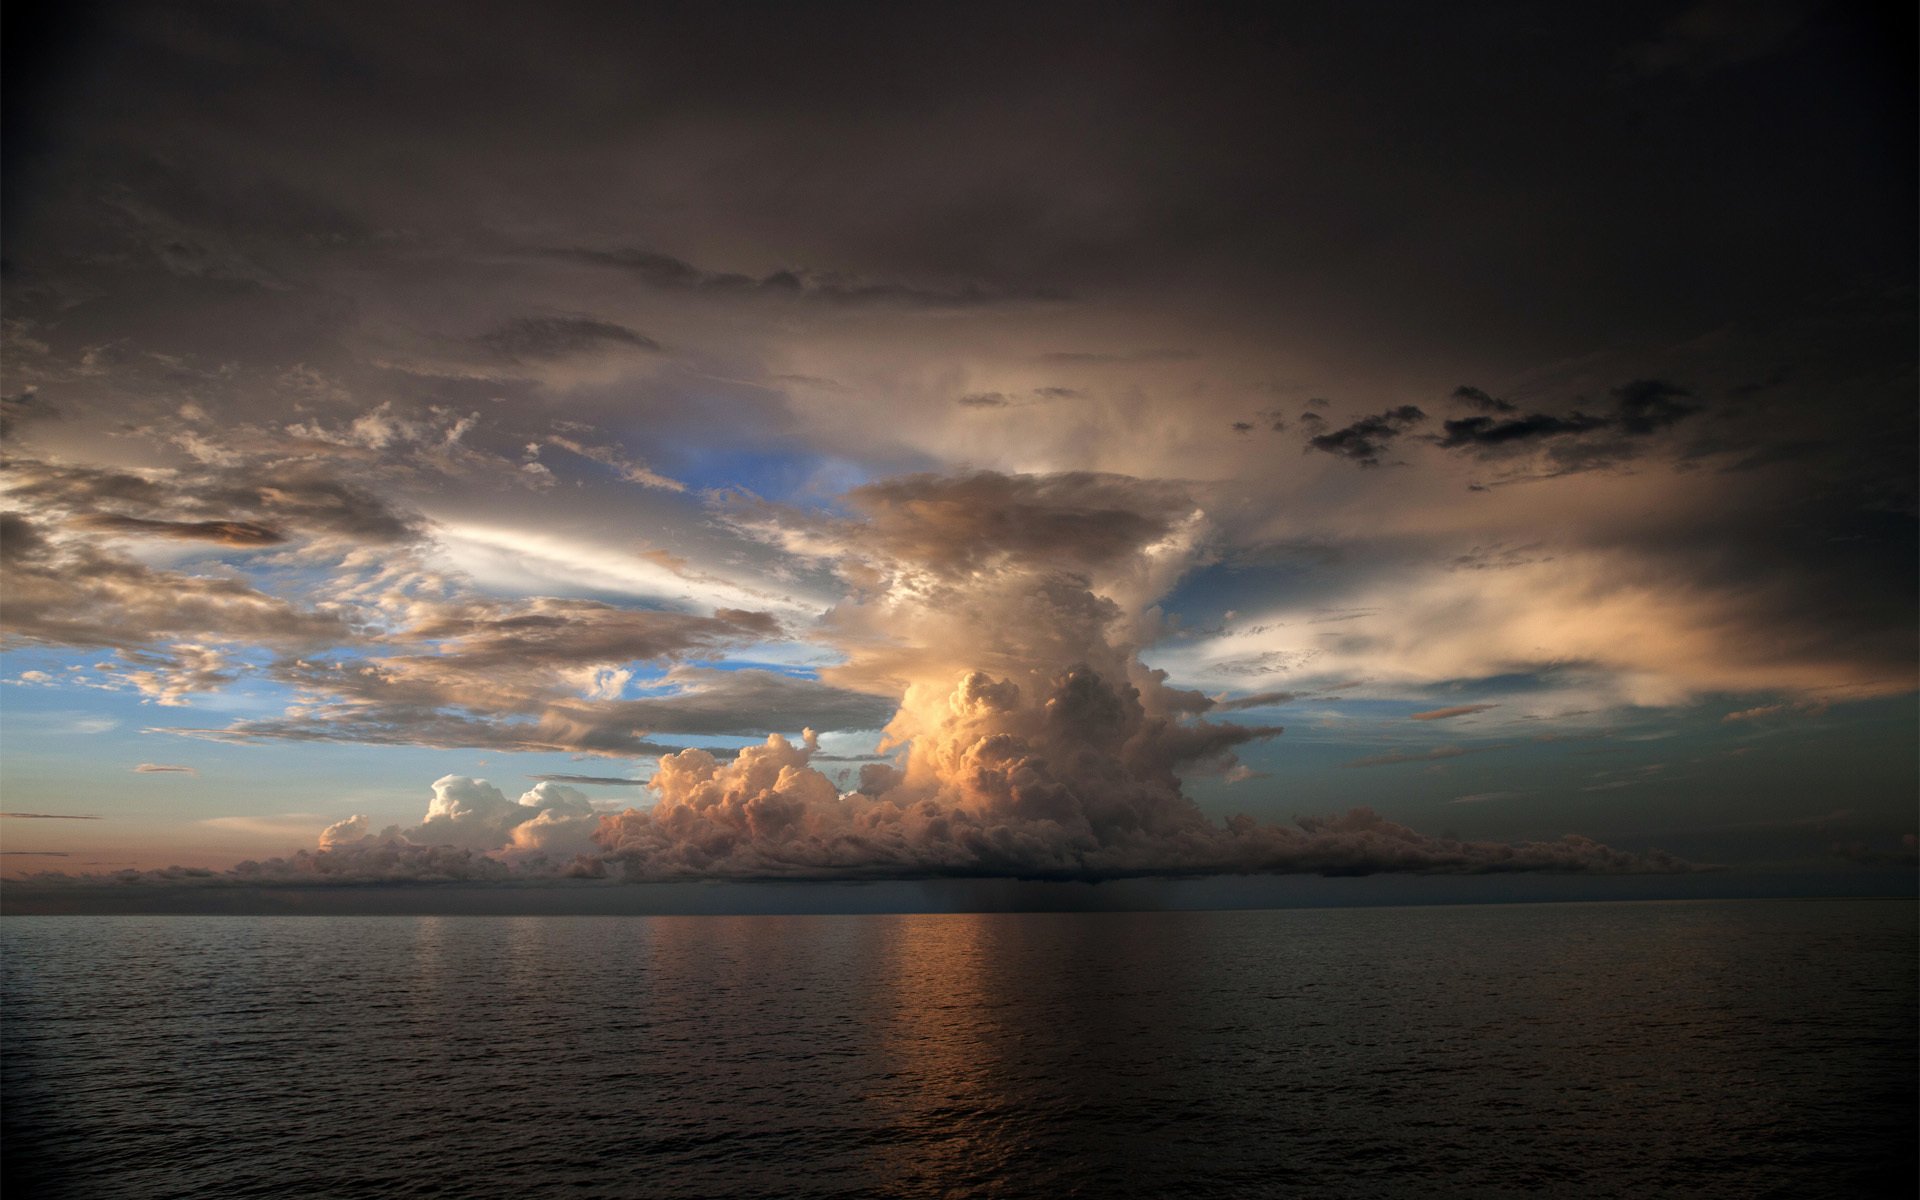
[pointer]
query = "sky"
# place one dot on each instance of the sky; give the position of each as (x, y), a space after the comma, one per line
(522, 445)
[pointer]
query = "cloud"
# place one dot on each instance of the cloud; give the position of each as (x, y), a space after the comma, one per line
(1701, 601)
(998, 619)
(1437, 754)
(23, 407)
(273, 825)
(163, 769)
(377, 659)
(171, 677)
(769, 815)
(1458, 710)
(592, 780)
(521, 704)
(234, 504)
(1799, 708)
(1648, 405)
(1256, 700)
(545, 632)
(628, 469)
(1035, 742)
(1368, 438)
(226, 533)
(539, 339)
(74, 594)
(668, 273)
(951, 524)
(372, 861)
(1486, 432)
(1574, 441)
(1480, 399)
(983, 400)
(209, 273)
(27, 816)
(472, 814)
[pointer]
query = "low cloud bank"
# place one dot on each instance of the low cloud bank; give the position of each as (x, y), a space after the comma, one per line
(768, 814)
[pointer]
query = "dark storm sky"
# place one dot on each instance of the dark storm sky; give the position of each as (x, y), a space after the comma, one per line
(1516, 402)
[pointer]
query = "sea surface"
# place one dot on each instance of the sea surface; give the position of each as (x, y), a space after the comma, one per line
(1740, 1049)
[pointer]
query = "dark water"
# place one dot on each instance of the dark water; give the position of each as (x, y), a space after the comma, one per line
(1710, 1049)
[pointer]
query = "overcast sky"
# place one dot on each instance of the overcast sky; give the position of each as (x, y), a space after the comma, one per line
(1092, 422)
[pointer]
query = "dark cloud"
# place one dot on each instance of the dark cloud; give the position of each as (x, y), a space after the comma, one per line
(226, 533)
(546, 632)
(240, 505)
(73, 594)
(1639, 409)
(539, 338)
(1367, 439)
(19, 540)
(1485, 432)
(983, 400)
(960, 523)
(1648, 405)
(666, 272)
(27, 816)
(935, 173)
(421, 703)
(1481, 400)
(1058, 393)
(202, 212)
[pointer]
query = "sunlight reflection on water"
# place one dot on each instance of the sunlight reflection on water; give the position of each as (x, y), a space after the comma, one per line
(1697, 1048)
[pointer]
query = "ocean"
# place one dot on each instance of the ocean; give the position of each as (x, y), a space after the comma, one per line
(1739, 1049)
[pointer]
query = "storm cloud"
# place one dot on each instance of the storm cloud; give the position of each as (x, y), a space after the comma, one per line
(1366, 439)
(638, 381)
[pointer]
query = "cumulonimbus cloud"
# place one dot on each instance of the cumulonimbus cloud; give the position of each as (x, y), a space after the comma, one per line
(769, 814)
(1029, 740)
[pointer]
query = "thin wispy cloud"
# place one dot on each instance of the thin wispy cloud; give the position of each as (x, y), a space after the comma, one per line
(1457, 710)
(1436, 754)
